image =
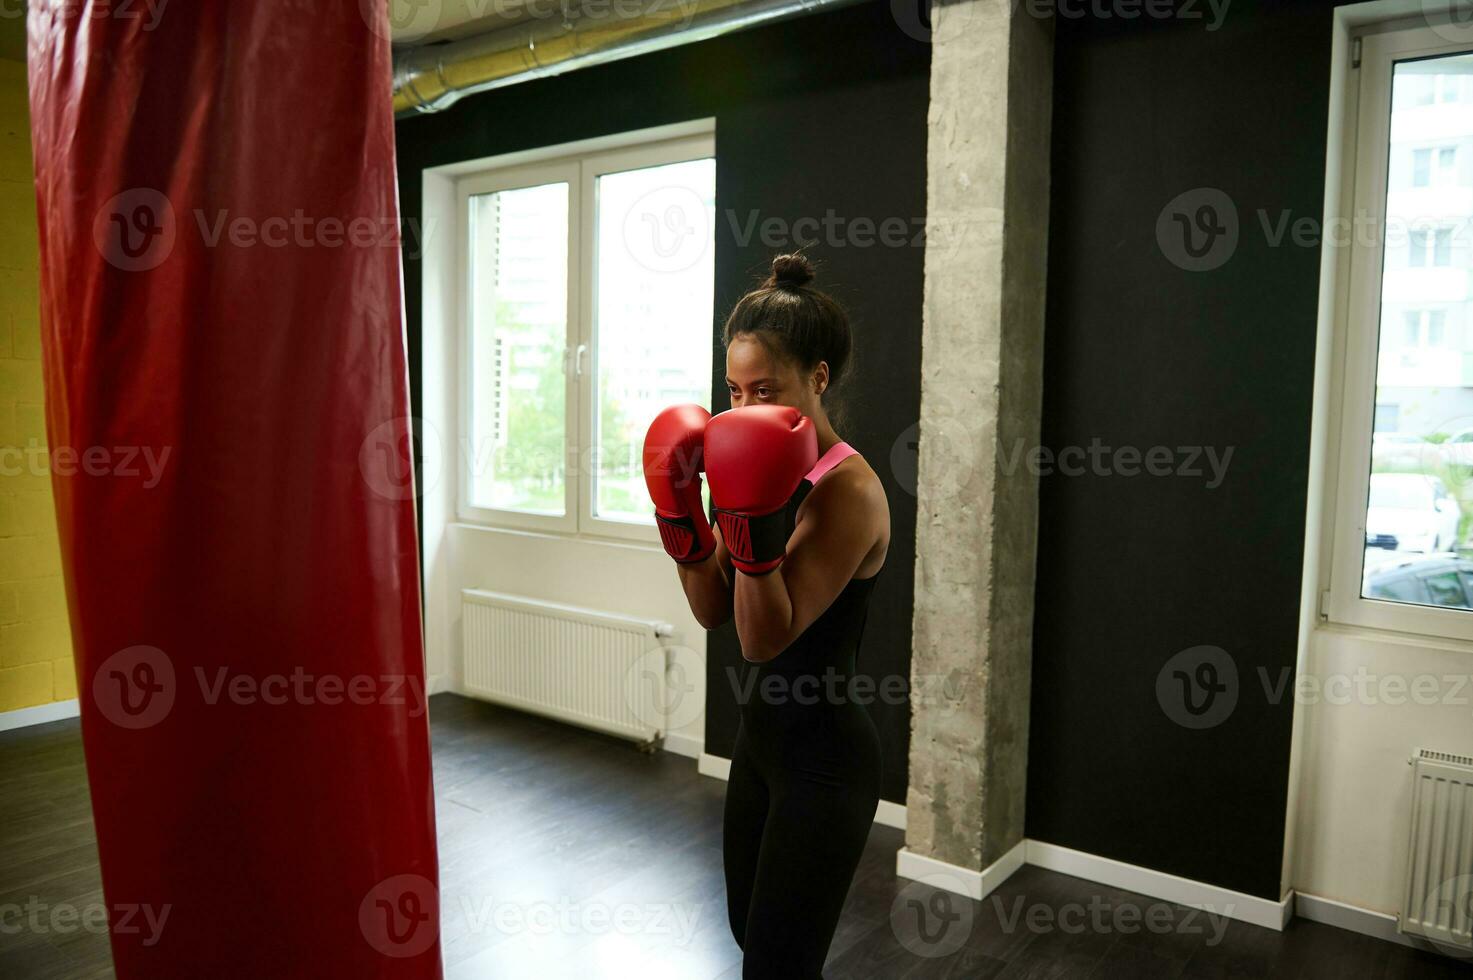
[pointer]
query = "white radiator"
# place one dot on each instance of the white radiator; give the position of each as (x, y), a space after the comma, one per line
(596, 669)
(1438, 904)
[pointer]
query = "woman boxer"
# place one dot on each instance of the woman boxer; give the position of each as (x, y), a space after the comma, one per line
(802, 531)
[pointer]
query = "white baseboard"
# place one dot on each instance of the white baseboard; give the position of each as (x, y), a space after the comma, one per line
(975, 885)
(1351, 918)
(439, 684)
(714, 766)
(889, 814)
(689, 746)
(39, 715)
(1167, 887)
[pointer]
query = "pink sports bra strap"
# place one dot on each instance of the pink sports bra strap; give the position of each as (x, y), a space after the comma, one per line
(837, 453)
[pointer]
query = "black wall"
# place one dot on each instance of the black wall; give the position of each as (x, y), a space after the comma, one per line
(1140, 352)
(824, 114)
(828, 113)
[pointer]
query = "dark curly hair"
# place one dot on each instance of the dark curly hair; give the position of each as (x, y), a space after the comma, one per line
(796, 322)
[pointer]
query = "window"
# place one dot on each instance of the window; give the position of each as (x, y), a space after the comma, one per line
(1388, 419)
(1424, 328)
(1431, 247)
(587, 297)
(1404, 493)
(653, 315)
(518, 322)
(1426, 88)
(1434, 166)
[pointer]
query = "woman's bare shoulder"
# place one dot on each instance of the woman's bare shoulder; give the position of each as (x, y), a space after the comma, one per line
(852, 485)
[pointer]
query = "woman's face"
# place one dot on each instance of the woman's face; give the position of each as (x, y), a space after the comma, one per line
(755, 377)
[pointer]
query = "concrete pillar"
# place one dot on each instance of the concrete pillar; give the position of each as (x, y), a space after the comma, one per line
(981, 388)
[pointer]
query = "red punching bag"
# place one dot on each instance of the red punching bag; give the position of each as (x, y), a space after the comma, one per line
(226, 403)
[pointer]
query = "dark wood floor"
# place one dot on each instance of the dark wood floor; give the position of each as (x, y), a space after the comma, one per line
(567, 854)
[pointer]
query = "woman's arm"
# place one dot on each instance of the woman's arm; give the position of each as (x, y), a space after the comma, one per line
(708, 584)
(673, 449)
(838, 525)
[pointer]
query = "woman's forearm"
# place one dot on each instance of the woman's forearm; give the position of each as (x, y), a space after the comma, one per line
(707, 590)
(764, 614)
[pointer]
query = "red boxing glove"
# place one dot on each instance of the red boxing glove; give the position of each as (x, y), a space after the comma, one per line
(755, 458)
(672, 471)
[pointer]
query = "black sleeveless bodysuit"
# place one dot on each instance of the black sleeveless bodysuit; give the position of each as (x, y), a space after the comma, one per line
(804, 783)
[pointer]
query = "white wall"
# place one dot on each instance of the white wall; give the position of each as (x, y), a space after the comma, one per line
(635, 580)
(629, 578)
(1358, 733)
(1357, 719)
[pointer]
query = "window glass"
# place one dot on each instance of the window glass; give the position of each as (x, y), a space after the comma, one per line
(653, 309)
(1444, 589)
(518, 333)
(1422, 451)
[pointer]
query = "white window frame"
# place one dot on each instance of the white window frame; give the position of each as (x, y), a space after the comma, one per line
(512, 178)
(1368, 118)
(579, 166)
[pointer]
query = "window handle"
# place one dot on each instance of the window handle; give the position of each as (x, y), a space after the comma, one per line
(578, 360)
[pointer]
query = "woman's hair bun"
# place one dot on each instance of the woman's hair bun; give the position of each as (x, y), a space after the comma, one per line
(791, 271)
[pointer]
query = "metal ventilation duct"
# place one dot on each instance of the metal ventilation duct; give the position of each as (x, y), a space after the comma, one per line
(432, 77)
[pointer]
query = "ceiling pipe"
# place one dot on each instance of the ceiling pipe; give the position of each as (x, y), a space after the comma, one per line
(432, 77)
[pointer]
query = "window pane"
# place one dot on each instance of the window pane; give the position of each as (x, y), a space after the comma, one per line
(1421, 167)
(1422, 450)
(1445, 590)
(518, 323)
(653, 309)
(1443, 256)
(1398, 583)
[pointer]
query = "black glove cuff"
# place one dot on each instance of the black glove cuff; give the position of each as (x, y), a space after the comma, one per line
(678, 535)
(754, 539)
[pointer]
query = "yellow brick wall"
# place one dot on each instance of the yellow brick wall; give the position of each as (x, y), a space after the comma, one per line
(35, 642)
